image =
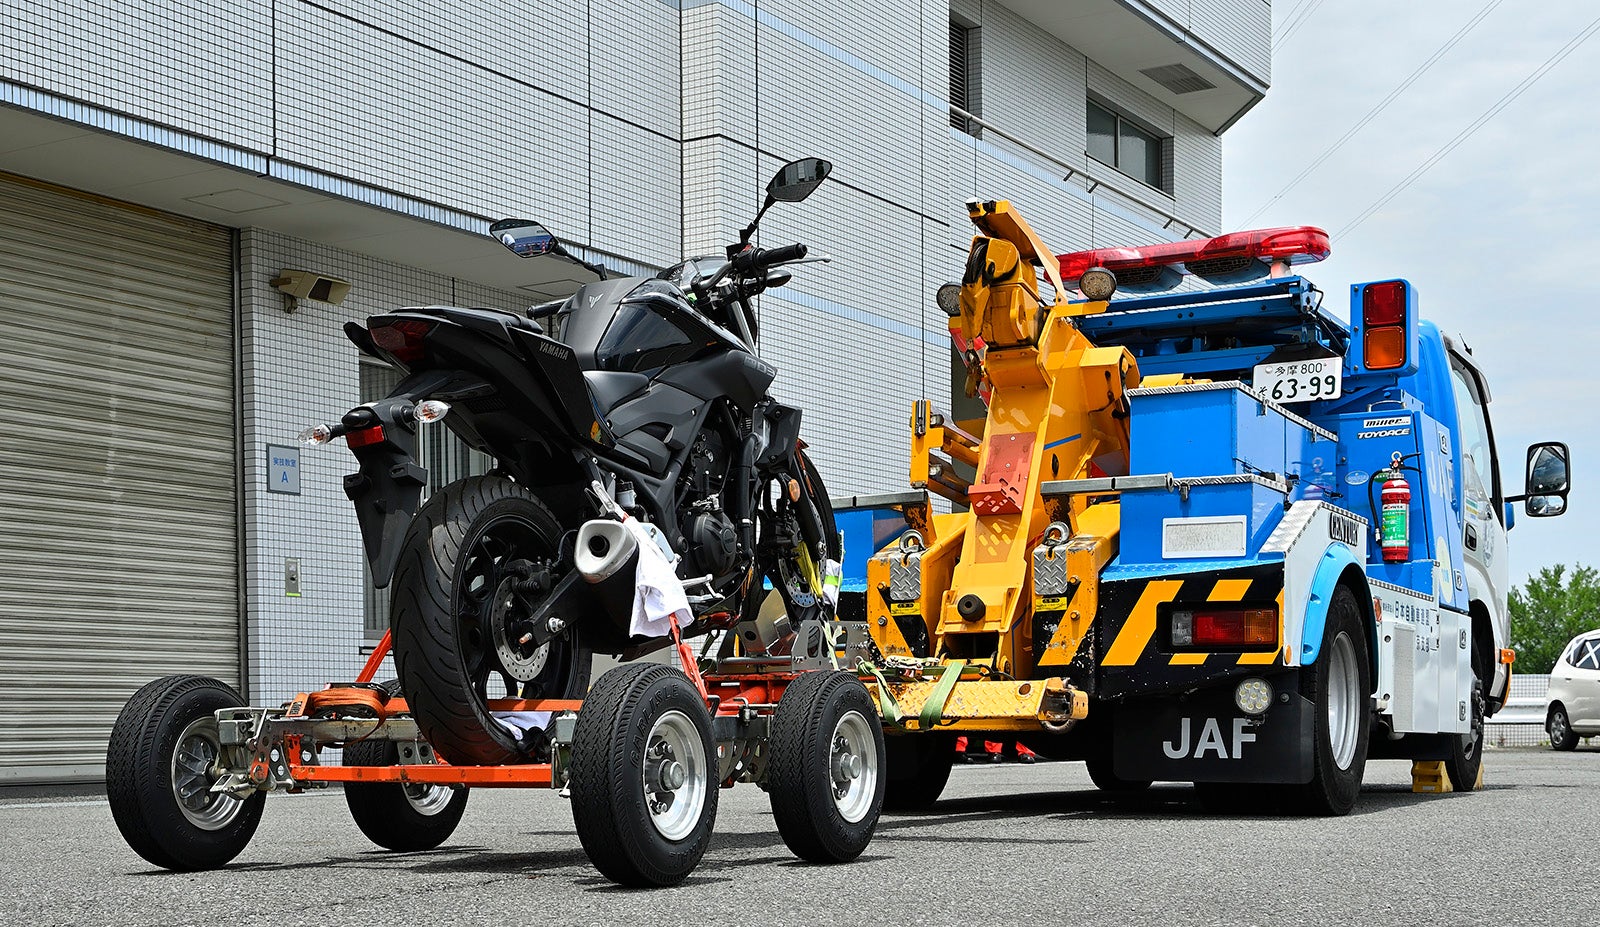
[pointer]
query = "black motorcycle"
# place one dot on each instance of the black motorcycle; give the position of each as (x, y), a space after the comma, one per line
(651, 404)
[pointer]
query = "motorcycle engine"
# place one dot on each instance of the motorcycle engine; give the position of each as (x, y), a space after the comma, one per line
(712, 541)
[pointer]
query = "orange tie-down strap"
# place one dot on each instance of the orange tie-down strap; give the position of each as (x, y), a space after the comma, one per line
(367, 700)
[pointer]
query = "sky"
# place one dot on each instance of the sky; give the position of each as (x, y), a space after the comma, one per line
(1500, 236)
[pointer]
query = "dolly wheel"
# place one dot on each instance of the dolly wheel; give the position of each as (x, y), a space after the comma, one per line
(644, 779)
(160, 765)
(825, 771)
(405, 817)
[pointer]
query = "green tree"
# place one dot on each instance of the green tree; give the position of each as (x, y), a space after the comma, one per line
(1550, 609)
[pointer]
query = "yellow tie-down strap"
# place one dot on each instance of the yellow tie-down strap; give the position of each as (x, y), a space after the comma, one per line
(981, 704)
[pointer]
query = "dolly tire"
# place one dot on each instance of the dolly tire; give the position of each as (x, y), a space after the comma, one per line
(1339, 685)
(917, 768)
(825, 767)
(404, 817)
(642, 822)
(157, 771)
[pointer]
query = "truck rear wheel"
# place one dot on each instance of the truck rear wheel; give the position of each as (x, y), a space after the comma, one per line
(916, 770)
(1105, 778)
(1339, 684)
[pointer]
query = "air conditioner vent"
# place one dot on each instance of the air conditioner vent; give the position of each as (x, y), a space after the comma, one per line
(1178, 78)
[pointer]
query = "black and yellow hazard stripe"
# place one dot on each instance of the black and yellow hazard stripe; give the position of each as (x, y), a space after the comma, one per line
(1134, 617)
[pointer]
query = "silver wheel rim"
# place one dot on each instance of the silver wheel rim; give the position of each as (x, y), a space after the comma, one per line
(426, 799)
(1344, 701)
(193, 761)
(675, 777)
(853, 766)
(1558, 728)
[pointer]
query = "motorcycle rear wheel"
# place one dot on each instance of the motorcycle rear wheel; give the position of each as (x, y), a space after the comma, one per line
(454, 608)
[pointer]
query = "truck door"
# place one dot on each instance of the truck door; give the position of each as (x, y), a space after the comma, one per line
(1482, 506)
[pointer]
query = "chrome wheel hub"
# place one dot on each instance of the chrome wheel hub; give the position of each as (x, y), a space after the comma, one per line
(854, 764)
(676, 778)
(194, 769)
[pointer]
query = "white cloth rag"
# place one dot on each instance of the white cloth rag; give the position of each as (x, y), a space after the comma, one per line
(521, 722)
(657, 592)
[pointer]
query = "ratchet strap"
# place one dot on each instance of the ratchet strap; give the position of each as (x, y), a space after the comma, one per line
(348, 700)
(932, 708)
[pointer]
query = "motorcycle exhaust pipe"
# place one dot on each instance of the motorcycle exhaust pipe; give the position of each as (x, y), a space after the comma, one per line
(604, 548)
(606, 556)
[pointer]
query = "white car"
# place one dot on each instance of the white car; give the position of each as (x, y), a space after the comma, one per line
(1573, 711)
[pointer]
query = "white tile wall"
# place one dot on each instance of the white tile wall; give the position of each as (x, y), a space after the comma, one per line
(299, 369)
(643, 128)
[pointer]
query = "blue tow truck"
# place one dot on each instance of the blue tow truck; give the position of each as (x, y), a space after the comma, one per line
(1307, 564)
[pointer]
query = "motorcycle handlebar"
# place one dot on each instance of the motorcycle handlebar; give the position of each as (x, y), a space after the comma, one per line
(753, 258)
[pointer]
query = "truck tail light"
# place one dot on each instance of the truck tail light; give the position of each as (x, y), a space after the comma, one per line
(400, 338)
(1225, 627)
(1383, 318)
(1238, 257)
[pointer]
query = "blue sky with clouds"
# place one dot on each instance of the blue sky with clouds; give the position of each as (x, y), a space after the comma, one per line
(1501, 236)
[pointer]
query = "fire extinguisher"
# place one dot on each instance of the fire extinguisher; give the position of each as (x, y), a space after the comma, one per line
(1394, 533)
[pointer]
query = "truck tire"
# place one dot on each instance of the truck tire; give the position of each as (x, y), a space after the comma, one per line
(456, 557)
(404, 817)
(825, 767)
(917, 768)
(1559, 726)
(1104, 776)
(644, 776)
(158, 763)
(1340, 687)
(1466, 751)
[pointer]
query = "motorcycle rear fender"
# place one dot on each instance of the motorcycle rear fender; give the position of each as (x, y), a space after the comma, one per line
(387, 489)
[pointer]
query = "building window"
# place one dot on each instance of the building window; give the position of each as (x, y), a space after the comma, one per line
(1130, 148)
(964, 84)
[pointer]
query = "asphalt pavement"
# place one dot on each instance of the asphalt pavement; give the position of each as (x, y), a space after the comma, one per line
(1009, 844)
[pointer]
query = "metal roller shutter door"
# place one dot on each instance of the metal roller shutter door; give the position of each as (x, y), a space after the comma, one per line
(118, 512)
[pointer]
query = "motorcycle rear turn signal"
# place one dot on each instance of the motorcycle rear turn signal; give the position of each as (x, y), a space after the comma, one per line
(430, 410)
(315, 435)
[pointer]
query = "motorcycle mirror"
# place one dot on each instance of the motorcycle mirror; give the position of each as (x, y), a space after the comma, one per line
(796, 180)
(525, 237)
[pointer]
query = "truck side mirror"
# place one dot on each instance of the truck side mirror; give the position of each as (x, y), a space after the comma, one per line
(1548, 481)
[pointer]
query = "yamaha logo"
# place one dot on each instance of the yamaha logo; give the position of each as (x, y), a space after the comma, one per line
(555, 350)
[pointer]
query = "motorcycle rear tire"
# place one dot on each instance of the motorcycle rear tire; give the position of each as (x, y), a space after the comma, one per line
(439, 648)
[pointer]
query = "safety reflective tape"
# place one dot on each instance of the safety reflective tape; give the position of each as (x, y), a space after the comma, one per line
(1141, 622)
(1229, 590)
(1189, 659)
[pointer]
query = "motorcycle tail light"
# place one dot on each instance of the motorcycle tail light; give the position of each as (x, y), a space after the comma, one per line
(401, 338)
(364, 437)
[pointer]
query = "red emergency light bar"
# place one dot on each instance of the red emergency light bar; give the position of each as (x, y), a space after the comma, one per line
(1237, 257)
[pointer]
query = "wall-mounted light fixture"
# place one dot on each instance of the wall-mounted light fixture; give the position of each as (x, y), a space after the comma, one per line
(304, 284)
